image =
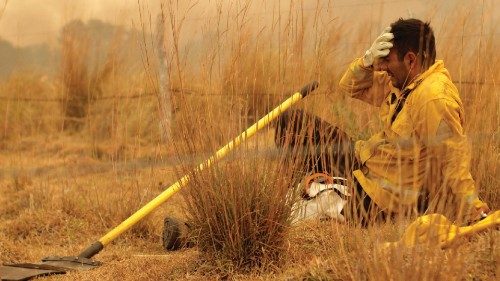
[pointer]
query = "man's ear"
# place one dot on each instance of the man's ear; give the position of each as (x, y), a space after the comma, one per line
(410, 60)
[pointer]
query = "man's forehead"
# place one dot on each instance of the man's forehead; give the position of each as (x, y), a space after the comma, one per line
(392, 52)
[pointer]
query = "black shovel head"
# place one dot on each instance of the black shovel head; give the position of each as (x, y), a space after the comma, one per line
(48, 266)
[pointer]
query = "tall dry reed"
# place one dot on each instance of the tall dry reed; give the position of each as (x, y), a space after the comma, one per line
(239, 212)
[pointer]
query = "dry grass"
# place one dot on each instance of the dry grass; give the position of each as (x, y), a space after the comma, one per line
(240, 213)
(61, 190)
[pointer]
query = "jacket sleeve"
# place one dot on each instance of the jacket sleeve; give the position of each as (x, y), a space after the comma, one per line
(440, 127)
(364, 83)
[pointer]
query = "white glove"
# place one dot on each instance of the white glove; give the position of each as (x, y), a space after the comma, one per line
(380, 48)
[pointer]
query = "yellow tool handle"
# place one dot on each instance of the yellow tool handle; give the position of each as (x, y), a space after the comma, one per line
(158, 200)
(437, 229)
(490, 221)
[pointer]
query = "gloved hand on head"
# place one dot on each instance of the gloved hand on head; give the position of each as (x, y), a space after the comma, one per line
(380, 48)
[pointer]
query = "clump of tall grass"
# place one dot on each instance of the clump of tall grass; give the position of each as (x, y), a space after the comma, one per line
(239, 211)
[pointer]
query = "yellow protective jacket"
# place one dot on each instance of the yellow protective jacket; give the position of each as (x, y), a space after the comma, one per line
(422, 154)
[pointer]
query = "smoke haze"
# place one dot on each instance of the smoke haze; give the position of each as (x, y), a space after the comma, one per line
(27, 22)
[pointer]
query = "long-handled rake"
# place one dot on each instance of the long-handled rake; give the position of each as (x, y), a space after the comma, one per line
(59, 265)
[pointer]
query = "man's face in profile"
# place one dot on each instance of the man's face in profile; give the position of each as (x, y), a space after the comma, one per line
(395, 68)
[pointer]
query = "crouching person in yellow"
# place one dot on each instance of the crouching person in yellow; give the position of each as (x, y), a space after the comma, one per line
(420, 161)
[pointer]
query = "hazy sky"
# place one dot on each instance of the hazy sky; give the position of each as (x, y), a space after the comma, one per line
(39, 21)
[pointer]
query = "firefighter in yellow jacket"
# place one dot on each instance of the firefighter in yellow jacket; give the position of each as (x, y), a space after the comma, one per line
(421, 158)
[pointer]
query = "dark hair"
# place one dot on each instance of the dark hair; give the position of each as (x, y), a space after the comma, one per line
(416, 36)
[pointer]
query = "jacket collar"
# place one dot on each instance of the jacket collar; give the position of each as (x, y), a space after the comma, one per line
(436, 67)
